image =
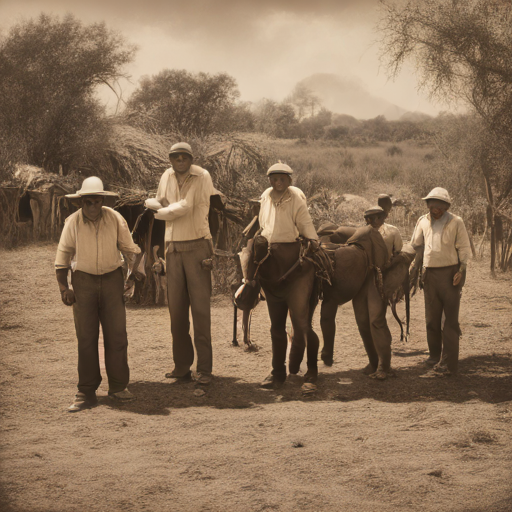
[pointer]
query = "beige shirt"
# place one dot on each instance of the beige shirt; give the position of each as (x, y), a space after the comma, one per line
(392, 238)
(185, 211)
(95, 246)
(287, 218)
(445, 241)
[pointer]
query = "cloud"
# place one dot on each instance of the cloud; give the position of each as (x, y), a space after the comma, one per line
(267, 45)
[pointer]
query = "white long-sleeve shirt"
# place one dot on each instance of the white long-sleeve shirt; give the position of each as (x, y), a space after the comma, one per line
(185, 210)
(445, 241)
(392, 238)
(287, 218)
(95, 246)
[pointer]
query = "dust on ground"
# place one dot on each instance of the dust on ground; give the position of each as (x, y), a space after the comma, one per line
(405, 444)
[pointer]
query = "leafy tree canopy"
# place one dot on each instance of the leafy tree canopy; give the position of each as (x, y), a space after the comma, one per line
(49, 69)
(189, 104)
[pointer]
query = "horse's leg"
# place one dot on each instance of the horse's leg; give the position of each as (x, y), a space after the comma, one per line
(246, 328)
(299, 297)
(278, 312)
(379, 331)
(328, 312)
(235, 320)
(361, 312)
(313, 342)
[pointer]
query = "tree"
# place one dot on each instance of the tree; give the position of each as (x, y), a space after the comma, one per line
(49, 70)
(179, 101)
(313, 127)
(304, 101)
(276, 119)
(463, 51)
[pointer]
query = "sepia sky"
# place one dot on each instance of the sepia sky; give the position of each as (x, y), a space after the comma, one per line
(266, 45)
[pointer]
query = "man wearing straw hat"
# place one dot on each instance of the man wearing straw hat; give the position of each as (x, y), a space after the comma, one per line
(183, 202)
(94, 237)
(443, 250)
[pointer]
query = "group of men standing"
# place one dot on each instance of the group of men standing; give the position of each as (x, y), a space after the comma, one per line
(94, 236)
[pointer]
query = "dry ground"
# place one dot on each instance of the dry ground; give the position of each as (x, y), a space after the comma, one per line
(406, 444)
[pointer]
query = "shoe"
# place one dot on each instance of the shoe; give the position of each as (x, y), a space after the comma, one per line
(272, 382)
(83, 401)
(122, 396)
(431, 361)
(442, 371)
(204, 379)
(180, 378)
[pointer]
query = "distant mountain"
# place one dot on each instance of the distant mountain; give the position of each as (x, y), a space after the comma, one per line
(348, 96)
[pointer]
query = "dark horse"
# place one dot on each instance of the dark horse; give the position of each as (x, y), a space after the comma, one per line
(287, 277)
(354, 266)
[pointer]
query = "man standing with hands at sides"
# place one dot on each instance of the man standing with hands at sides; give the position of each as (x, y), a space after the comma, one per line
(94, 236)
(443, 249)
(183, 202)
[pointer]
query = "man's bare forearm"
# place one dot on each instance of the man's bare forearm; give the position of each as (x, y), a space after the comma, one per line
(62, 278)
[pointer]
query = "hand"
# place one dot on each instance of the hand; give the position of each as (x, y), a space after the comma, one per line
(314, 245)
(129, 290)
(68, 297)
(456, 278)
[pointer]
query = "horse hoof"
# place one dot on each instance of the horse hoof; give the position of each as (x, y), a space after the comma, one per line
(308, 388)
(293, 368)
(251, 348)
(328, 361)
(368, 369)
(310, 378)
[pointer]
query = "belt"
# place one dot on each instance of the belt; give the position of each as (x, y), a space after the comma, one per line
(185, 245)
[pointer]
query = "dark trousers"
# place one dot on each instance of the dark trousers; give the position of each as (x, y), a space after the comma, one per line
(442, 297)
(189, 286)
(370, 313)
(99, 300)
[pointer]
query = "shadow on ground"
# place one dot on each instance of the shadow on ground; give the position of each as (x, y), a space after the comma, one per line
(485, 378)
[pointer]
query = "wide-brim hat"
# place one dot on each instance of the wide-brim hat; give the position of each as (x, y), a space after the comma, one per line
(440, 194)
(91, 186)
(374, 210)
(280, 168)
(181, 147)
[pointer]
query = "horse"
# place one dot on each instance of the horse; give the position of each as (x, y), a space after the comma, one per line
(355, 266)
(286, 274)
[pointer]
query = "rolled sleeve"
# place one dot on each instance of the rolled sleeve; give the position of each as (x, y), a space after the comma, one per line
(125, 241)
(67, 244)
(418, 238)
(462, 244)
(304, 223)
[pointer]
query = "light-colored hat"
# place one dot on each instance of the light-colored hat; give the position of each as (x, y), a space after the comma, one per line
(181, 147)
(438, 193)
(373, 211)
(280, 168)
(91, 186)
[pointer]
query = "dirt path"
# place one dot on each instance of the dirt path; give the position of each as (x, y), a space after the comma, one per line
(406, 444)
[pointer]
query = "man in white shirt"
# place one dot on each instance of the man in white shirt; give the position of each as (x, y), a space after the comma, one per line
(283, 217)
(183, 202)
(93, 237)
(284, 213)
(442, 243)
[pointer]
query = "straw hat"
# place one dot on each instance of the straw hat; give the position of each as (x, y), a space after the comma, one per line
(91, 186)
